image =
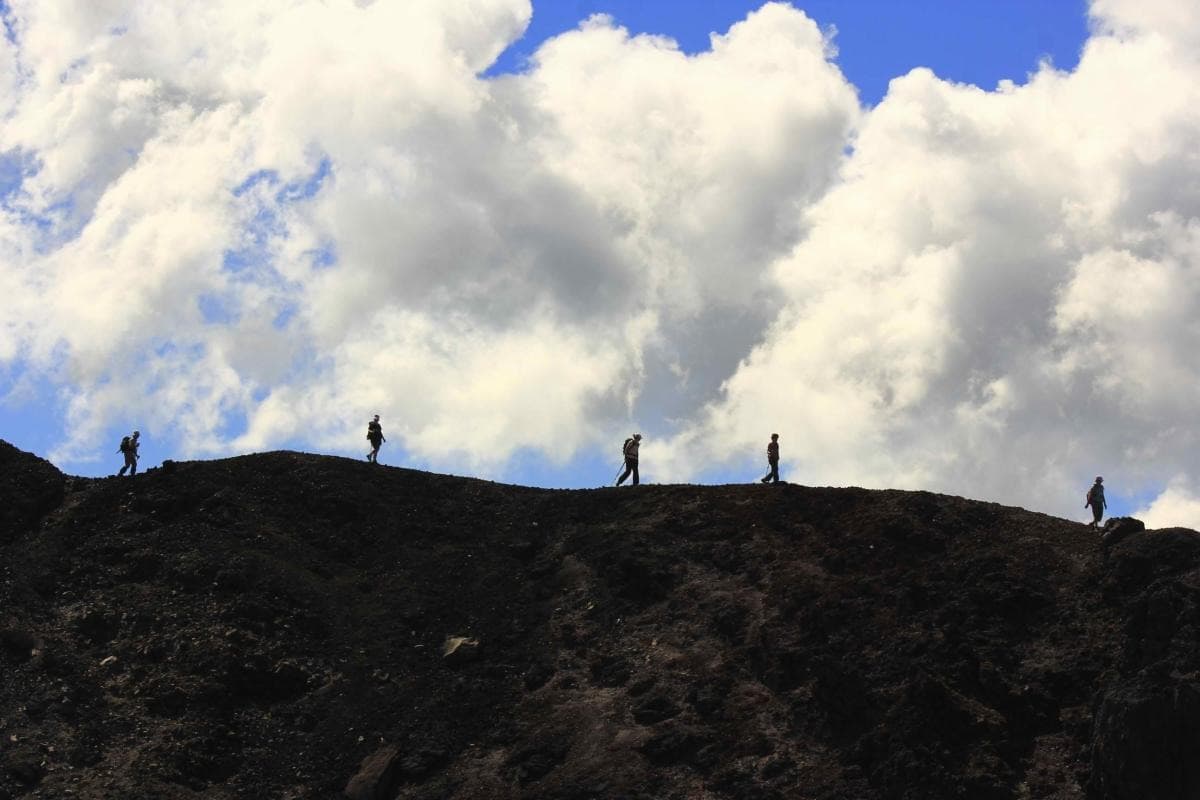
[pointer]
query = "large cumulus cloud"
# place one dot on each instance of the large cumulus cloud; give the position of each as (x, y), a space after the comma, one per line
(253, 223)
(996, 297)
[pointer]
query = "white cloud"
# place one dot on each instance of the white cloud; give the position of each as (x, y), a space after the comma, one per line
(454, 393)
(1168, 19)
(708, 158)
(1177, 507)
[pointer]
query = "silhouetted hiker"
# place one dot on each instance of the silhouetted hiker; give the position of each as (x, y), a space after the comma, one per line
(772, 475)
(1095, 499)
(129, 448)
(375, 437)
(630, 450)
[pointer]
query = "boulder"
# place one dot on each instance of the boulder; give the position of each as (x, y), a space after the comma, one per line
(1118, 528)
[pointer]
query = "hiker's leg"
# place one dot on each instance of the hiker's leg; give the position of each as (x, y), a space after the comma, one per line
(635, 473)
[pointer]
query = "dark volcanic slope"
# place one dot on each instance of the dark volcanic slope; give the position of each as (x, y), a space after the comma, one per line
(257, 627)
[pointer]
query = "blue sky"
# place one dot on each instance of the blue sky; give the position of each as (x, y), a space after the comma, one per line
(309, 221)
(970, 41)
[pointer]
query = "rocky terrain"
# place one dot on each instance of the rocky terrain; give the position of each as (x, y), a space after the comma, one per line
(296, 626)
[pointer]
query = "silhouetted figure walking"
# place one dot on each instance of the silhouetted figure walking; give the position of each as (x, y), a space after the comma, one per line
(129, 448)
(375, 437)
(630, 450)
(772, 475)
(1095, 499)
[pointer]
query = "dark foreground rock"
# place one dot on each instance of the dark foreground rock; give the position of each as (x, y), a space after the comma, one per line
(295, 626)
(29, 488)
(1119, 528)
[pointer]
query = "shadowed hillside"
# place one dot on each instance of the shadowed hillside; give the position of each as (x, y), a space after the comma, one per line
(275, 626)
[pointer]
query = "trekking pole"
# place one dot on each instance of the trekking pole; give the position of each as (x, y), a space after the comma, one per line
(620, 469)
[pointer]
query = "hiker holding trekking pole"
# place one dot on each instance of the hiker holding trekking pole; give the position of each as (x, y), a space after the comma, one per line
(630, 451)
(772, 475)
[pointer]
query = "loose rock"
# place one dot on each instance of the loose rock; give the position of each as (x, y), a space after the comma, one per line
(377, 776)
(459, 650)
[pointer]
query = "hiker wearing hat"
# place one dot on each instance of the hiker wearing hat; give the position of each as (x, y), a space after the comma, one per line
(129, 448)
(630, 450)
(772, 475)
(1095, 499)
(375, 437)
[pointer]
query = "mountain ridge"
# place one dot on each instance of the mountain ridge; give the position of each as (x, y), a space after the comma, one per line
(275, 625)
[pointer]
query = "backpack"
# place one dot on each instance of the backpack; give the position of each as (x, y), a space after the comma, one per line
(625, 447)
(124, 445)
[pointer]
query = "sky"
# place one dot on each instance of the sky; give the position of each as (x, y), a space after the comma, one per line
(934, 245)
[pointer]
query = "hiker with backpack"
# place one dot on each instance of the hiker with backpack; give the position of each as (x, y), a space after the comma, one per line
(772, 475)
(630, 451)
(1095, 499)
(129, 448)
(375, 437)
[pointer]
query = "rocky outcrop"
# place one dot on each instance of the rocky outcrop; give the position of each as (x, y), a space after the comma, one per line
(1146, 741)
(30, 487)
(1118, 528)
